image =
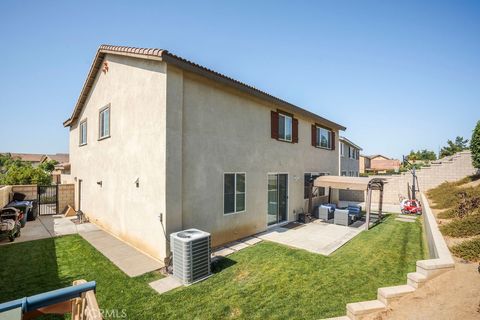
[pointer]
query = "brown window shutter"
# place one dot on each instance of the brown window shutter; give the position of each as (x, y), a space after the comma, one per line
(295, 130)
(314, 135)
(333, 140)
(274, 124)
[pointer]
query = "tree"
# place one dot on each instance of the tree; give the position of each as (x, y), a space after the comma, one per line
(424, 155)
(48, 166)
(14, 172)
(451, 148)
(475, 146)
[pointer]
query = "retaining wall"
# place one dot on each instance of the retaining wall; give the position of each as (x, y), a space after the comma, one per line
(449, 169)
(440, 261)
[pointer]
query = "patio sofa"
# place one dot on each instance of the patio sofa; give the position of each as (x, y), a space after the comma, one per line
(342, 217)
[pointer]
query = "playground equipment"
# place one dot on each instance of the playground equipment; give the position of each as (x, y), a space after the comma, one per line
(79, 300)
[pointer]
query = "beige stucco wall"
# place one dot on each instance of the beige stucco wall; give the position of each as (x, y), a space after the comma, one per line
(226, 131)
(136, 90)
(178, 133)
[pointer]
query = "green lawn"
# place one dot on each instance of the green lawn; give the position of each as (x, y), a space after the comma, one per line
(264, 281)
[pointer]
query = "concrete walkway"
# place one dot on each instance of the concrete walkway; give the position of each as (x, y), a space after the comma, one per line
(126, 258)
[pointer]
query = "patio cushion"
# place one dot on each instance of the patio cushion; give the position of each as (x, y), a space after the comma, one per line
(342, 217)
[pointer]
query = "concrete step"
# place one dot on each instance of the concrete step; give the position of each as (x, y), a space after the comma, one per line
(338, 318)
(389, 294)
(416, 279)
(358, 310)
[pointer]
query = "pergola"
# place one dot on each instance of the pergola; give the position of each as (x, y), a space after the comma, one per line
(355, 183)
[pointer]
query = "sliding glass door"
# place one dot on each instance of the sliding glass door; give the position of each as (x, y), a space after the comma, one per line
(277, 198)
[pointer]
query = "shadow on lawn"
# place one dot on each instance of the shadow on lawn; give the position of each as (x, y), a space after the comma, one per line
(28, 269)
(222, 264)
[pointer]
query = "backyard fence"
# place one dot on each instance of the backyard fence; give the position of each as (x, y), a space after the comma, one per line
(55, 202)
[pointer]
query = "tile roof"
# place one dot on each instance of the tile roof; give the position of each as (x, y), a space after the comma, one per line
(166, 56)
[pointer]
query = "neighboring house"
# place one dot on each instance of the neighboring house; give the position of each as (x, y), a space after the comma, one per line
(378, 164)
(32, 158)
(58, 157)
(349, 158)
(364, 162)
(61, 168)
(159, 144)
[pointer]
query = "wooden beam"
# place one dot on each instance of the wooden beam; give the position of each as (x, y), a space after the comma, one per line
(369, 207)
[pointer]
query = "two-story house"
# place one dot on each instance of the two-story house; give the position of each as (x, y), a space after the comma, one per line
(159, 144)
(349, 158)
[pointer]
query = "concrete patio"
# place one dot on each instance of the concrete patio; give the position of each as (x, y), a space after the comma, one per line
(49, 226)
(317, 236)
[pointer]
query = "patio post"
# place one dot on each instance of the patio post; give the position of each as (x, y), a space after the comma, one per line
(380, 204)
(369, 205)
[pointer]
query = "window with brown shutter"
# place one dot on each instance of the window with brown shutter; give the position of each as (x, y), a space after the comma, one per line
(284, 127)
(295, 130)
(314, 135)
(322, 137)
(274, 124)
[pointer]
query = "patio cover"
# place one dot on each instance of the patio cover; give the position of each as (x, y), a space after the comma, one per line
(343, 182)
(355, 183)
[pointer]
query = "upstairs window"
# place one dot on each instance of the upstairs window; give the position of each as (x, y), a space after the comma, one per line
(83, 133)
(233, 192)
(342, 149)
(284, 127)
(104, 123)
(323, 137)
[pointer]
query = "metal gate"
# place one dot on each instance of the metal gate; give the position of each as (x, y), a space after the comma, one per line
(47, 197)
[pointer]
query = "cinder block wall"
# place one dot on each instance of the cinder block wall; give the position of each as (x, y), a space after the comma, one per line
(5, 195)
(66, 196)
(30, 190)
(448, 169)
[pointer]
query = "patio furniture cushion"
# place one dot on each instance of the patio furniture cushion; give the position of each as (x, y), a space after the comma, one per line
(342, 217)
(325, 213)
(355, 211)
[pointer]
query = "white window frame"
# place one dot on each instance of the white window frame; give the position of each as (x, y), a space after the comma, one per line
(100, 112)
(235, 193)
(285, 117)
(342, 149)
(81, 125)
(329, 137)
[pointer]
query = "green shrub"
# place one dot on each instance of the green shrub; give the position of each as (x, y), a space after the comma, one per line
(475, 146)
(468, 250)
(466, 227)
(451, 194)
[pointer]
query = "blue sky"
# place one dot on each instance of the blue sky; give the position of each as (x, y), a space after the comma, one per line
(399, 75)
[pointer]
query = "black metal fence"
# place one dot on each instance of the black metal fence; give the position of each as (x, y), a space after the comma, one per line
(47, 197)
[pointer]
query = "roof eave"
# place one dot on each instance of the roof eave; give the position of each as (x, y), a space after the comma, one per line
(164, 55)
